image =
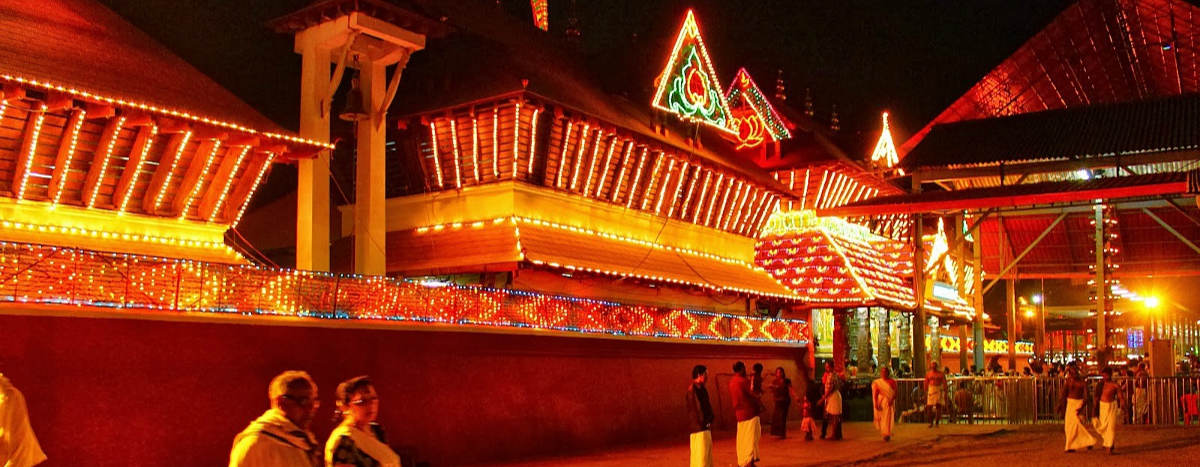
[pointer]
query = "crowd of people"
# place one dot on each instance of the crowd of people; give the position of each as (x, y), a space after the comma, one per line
(747, 392)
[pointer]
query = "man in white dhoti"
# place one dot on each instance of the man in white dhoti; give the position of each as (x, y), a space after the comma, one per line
(700, 418)
(935, 394)
(883, 393)
(1071, 403)
(18, 446)
(1107, 393)
(747, 407)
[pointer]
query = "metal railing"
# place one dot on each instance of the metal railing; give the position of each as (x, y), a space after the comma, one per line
(40, 274)
(1026, 400)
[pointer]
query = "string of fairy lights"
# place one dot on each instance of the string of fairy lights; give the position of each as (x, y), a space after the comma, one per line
(74, 277)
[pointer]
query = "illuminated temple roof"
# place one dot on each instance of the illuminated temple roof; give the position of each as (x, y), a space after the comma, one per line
(1094, 52)
(500, 244)
(833, 263)
(110, 140)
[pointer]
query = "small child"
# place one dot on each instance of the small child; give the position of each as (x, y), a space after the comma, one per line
(808, 425)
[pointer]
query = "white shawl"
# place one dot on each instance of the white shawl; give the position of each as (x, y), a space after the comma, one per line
(365, 443)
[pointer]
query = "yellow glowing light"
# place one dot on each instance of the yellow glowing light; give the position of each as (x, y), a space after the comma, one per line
(533, 127)
(454, 145)
(691, 191)
(151, 108)
(690, 29)
(196, 188)
(562, 158)
(703, 192)
(612, 145)
(257, 179)
(80, 116)
(637, 177)
(37, 129)
(1151, 302)
(712, 202)
(496, 146)
(885, 150)
(437, 159)
(137, 168)
(653, 179)
(579, 150)
(174, 162)
(663, 187)
(228, 183)
(475, 148)
(587, 185)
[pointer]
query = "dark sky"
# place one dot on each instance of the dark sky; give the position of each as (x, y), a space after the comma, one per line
(913, 57)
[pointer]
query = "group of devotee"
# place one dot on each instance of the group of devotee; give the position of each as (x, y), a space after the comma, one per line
(281, 438)
(746, 391)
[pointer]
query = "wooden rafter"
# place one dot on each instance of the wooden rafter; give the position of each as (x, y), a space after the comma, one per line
(129, 176)
(221, 182)
(26, 151)
(158, 182)
(99, 164)
(245, 185)
(194, 177)
(66, 152)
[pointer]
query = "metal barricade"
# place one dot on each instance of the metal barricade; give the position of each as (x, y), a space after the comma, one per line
(1025, 400)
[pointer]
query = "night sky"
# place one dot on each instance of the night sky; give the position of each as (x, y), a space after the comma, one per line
(910, 57)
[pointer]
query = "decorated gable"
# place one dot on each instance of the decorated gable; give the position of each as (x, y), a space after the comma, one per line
(753, 117)
(688, 86)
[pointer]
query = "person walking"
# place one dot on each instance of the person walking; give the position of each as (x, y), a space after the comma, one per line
(1071, 403)
(358, 441)
(280, 437)
(1108, 406)
(747, 407)
(782, 392)
(832, 400)
(700, 418)
(935, 394)
(883, 396)
(1141, 395)
(18, 445)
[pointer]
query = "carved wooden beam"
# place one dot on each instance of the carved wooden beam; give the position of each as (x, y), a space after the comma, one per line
(245, 185)
(33, 126)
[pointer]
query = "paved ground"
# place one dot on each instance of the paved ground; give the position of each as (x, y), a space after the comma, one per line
(862, 442)
(916, 444)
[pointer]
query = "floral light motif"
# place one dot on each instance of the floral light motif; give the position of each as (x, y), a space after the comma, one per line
(688, 86)
(750, 131)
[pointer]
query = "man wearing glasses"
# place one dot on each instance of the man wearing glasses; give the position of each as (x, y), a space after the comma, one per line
(280, 437)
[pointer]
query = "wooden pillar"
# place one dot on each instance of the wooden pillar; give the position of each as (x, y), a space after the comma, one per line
(883, 345)
(312, 191)
(919, 318)
(960, 280)
(977, 295)
(1101, 285)
(904, 340)
(935, 342)
(370, 217)
(839, 344)
(963, 361)
(1010, 297)
(863, 355)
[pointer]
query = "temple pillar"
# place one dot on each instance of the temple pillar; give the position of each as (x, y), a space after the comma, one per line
(919, 319)
(312, 191)
(839, 344)
(864, 353)
(904, 340)
(1010, 300)
(935, 342)
(977, 299)
(1101, 284)
(883, 345)
(370, 217)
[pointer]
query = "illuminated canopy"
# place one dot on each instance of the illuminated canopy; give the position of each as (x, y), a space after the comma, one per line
(753, 116)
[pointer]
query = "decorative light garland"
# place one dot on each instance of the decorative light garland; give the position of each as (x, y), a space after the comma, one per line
(437, 158)
(637, 178)
(80, 116)
(587, 184)
(30, 152)
(612, 145)
(137, 170)
(744, 88)
(475, 148)
(885, 150)
(580, 148)
(687, 201)
(562, 158)
(151, 108)
(257, 179)
(496, 146)
(693, 83)
(663, 187)
(196, 188)
(228, 183)
(712, 202)
(106, 235)
(703, 192)
(616, 189)
(649, 191)
(187, 136)
(454, 145)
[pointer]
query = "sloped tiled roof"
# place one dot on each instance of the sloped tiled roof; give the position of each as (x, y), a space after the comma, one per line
(563, 247)
(83, 45)
(1094, 52)
(1153, 125)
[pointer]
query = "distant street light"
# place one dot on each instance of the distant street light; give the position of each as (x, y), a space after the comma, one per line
(1037, 298)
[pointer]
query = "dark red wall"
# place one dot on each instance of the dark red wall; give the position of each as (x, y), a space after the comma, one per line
(127, 392)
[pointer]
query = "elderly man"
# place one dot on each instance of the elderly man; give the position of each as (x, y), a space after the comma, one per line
(935, 394)
(883, 393)
(1071, 404)
(18, 446)
(280, 437)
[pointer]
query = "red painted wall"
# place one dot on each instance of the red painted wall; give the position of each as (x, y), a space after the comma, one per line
(126, 392)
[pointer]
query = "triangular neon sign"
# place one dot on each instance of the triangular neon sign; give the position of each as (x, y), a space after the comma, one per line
(753, 113)
(688, 86)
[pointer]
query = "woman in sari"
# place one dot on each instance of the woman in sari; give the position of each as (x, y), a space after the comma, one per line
(883, 394)
(358, 441)
(783, 393)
